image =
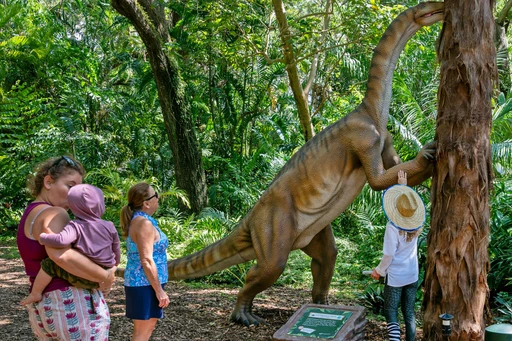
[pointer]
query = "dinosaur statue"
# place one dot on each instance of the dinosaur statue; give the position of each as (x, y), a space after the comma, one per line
(318, 183)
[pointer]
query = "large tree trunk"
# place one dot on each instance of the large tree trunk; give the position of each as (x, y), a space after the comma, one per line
(293, 73)
(457, 255)
(149, 20)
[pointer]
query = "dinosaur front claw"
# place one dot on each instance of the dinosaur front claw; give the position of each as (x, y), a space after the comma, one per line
(246, 317)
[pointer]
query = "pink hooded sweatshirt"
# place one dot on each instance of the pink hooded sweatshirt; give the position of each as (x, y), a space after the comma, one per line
(88, 233)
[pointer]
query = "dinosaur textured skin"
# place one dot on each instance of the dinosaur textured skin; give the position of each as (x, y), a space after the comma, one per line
(318, 183)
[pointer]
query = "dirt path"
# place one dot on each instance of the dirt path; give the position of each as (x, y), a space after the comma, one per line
(194, 314)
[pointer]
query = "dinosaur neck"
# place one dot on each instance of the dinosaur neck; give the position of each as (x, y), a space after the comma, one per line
(385, 56)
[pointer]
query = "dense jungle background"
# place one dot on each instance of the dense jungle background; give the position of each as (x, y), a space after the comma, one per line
(76, 78)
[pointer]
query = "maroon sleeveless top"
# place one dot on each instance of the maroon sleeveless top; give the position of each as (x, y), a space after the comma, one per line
(32, 253)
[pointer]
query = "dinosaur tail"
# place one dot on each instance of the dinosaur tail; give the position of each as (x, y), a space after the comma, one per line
(231, 250)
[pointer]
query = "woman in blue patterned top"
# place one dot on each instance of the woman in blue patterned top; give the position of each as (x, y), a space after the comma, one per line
(146, 271)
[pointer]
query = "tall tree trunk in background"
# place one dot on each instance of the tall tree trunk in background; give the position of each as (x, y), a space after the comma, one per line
(501, 42)
(457, 251)
(293, 73)
(150, 21)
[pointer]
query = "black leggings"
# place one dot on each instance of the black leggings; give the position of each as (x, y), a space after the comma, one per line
(404, 297)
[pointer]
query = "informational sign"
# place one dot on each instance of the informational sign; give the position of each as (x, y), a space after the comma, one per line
(320, 323)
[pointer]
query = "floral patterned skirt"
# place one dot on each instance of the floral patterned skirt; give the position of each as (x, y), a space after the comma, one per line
(70, 314)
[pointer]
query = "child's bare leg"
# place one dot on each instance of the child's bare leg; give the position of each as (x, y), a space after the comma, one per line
(41, 281)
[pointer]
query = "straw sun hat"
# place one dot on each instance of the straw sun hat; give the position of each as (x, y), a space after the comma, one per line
(403, 207)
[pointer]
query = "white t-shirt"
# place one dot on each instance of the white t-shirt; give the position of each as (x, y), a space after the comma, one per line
(403, 268)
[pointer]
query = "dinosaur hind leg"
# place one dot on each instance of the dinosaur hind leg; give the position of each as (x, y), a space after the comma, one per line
(259, 278)
(322, 250)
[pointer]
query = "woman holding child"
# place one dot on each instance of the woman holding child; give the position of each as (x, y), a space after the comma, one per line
(65, 312)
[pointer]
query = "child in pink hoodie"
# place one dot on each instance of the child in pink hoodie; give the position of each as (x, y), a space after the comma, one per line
(88, 233)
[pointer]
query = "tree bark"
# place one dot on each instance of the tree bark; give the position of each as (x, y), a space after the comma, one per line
(293, 73)
(149, 20)
(457, 251)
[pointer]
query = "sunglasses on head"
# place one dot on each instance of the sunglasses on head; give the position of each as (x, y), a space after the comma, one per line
(153, 196)
(66, 159)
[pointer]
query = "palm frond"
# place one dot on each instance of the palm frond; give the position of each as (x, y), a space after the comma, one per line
(502, 157)
(9, 11)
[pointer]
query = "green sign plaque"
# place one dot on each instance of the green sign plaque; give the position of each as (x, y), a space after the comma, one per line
(320, 323)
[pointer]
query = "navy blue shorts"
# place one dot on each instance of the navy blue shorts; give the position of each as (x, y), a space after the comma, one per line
(142, 304)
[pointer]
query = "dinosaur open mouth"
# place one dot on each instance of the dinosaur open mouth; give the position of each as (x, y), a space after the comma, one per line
(432, 14)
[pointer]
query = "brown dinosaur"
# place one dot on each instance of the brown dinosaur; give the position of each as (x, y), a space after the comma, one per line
(318, 183)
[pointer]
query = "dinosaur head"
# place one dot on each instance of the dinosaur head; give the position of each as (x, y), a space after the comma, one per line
(428, 13)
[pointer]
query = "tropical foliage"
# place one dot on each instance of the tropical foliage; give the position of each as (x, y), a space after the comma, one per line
(75, 79)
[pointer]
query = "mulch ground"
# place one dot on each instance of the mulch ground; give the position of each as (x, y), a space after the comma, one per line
(194, 314)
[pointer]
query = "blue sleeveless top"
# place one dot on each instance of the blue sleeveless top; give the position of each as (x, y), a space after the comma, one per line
(134, 275)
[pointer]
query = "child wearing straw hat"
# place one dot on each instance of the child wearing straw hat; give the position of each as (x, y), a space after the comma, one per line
(399, 264)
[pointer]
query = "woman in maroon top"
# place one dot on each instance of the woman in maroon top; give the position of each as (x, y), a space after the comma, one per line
(65, 312)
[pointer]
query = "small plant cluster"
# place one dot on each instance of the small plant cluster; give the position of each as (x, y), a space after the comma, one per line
(503, 302)
(373, 298)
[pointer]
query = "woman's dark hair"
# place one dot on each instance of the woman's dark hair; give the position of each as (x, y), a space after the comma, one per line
(54, 167)
(137, 194)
